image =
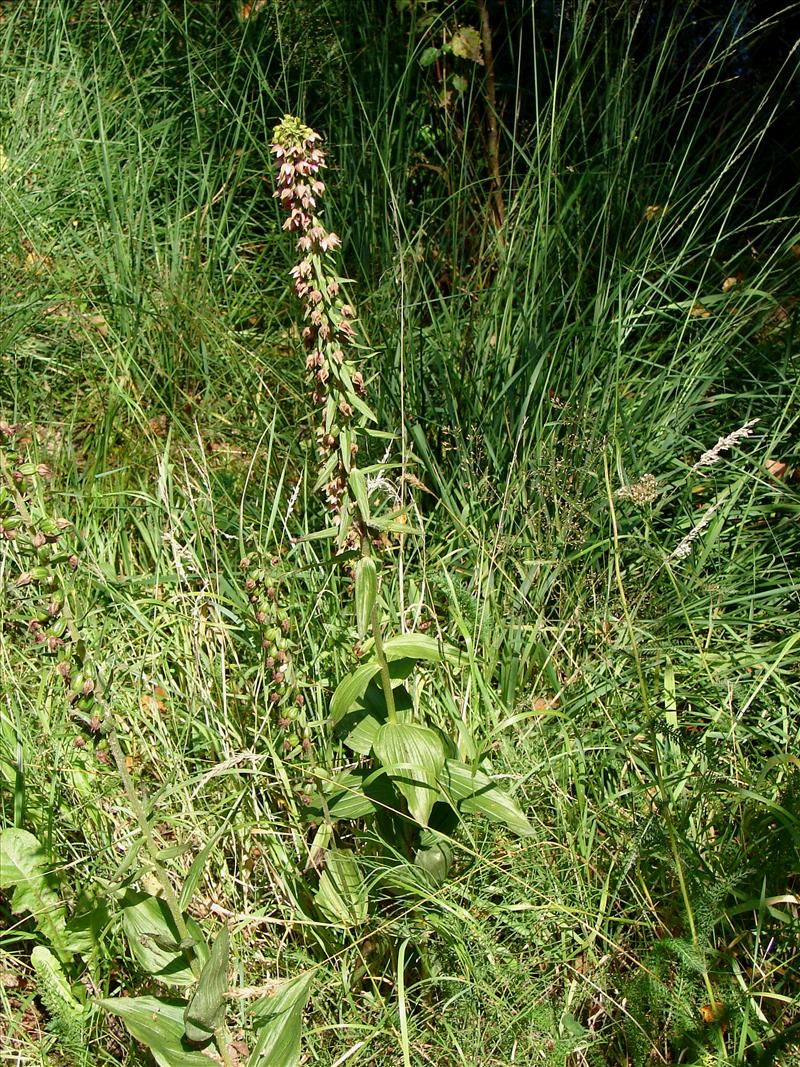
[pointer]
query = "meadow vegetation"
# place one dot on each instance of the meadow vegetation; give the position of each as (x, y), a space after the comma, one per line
(571, 266)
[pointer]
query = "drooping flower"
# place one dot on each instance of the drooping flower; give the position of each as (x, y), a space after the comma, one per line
(336, 382)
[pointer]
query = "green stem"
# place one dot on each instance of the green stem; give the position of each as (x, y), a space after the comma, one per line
(380, 652)
(380, 655)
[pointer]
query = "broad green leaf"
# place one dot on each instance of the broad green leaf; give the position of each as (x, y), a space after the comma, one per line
(429, 57)
(344, 796)
(206, 1010)
(23, 866)
(326, 471)
(277, 1021)
(403, 646)
(474, 791)
(358, 487)
(365, 409)
(158, 1024)
(148, 926)
(366, 594)
(342, 895)
(82, 934)
(359, 727)
(354, 794)
(413, 756)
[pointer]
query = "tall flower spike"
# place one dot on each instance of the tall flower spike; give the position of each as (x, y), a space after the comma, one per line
(336, 383)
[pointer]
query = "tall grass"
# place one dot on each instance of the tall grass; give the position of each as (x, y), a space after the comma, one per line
(638, 305)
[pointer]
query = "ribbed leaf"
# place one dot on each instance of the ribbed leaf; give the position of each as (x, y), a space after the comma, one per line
(158, 1024)
(277, 1020)
(358, 487)
(206, 1010)
(148, 926)
(366, 593)
(404, 646)
(474, 791)
(342, 894)
(413, 756)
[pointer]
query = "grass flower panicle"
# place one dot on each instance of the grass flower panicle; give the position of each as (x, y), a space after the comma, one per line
(712, 456)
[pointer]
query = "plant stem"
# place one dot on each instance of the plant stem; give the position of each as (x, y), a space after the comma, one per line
(380, 655)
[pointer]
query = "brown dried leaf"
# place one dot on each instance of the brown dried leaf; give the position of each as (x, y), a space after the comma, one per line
(782, 471)
(248, 9)
(712, 1013)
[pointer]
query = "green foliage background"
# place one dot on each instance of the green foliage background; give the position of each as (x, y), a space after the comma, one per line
(641, 704)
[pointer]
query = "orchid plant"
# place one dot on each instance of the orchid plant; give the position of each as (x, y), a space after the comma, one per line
(410, 777)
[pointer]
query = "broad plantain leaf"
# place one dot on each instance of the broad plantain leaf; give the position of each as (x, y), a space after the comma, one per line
(413, 756)
(23, 865)
(149, 927)
(277, 1021)
(158, 1024)
(205, 1012)
(474, 791)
